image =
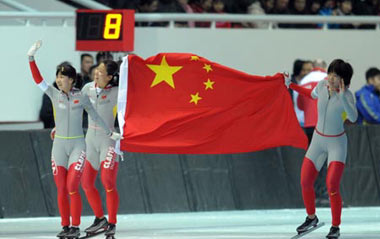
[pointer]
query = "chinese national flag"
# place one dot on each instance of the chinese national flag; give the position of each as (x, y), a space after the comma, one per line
(177, 103)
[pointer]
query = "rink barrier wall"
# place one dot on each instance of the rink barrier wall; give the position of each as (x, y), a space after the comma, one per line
(152, 183)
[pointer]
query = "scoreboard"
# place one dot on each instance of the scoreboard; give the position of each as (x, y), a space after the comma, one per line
(105, 30)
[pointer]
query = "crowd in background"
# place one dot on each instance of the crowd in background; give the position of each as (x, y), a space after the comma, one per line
(256, 7)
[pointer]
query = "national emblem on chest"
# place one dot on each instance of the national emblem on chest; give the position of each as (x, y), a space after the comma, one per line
(76, 103)
(104, 99)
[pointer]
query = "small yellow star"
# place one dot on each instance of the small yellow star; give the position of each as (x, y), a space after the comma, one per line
(194, 58)
(209, 84)
(195, 98)
(207, 68)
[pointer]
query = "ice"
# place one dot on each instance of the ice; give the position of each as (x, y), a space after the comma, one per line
(358, 223)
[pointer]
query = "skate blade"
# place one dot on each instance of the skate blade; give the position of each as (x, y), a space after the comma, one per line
(333, 237)
(89, 235)
(321, 224)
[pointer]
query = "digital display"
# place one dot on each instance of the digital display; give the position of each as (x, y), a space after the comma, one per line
(103, 30)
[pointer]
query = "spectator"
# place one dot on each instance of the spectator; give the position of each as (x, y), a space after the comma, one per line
(281, 7)
(367, 8)
(261, 7)
(298, 7)
(92, 72)
(176, 6)
(344, 8)
(145, 6)
(307, 105)
(306, 68)
(315, 7)
(201, 6)
(368, 98)
(327, 8)
(295, 78)
(102, 56)
(218, 7)
(238, 6)
(86, 61)
(130, 4)
(183, 6)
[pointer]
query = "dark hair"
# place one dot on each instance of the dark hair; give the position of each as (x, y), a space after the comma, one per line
(297, 67)
(84, 55)
(112, 69)
(341, 1)
(63, 63)
(66, 70)
(146, 2)
(307, 62)
(372, 72)
(93, 67)
(103, 55)
(323, 2)
(342, 69)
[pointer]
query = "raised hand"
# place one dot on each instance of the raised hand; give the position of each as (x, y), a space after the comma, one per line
(33, 49)
(342, 88)
(287, 79)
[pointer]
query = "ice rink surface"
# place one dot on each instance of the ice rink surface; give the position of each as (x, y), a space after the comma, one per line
(357, 223)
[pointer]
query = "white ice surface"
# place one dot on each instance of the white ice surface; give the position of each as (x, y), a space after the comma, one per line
(358, 223)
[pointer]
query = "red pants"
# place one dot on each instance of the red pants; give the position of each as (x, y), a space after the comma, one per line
(108, 177)
(67, 182)
(334, 174)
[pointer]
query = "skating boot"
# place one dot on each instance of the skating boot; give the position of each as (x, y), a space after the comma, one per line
(334, 233)
(111, 230)
(73, 233)
(63, 233)
(99, 226)
(307, 225)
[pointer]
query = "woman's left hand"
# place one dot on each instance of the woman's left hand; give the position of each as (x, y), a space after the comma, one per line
(33, 49)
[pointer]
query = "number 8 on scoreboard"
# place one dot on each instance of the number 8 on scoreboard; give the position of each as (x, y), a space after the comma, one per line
(112, 26)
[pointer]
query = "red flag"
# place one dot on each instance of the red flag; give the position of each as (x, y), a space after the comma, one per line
(184, 104)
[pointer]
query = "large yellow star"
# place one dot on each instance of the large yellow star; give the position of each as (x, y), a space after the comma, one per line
(207, 67)
(209, 84)
(194, 58)
(195, 98)
(164, 72)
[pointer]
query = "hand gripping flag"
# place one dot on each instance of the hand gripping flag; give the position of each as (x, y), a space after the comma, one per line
(177, 103)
